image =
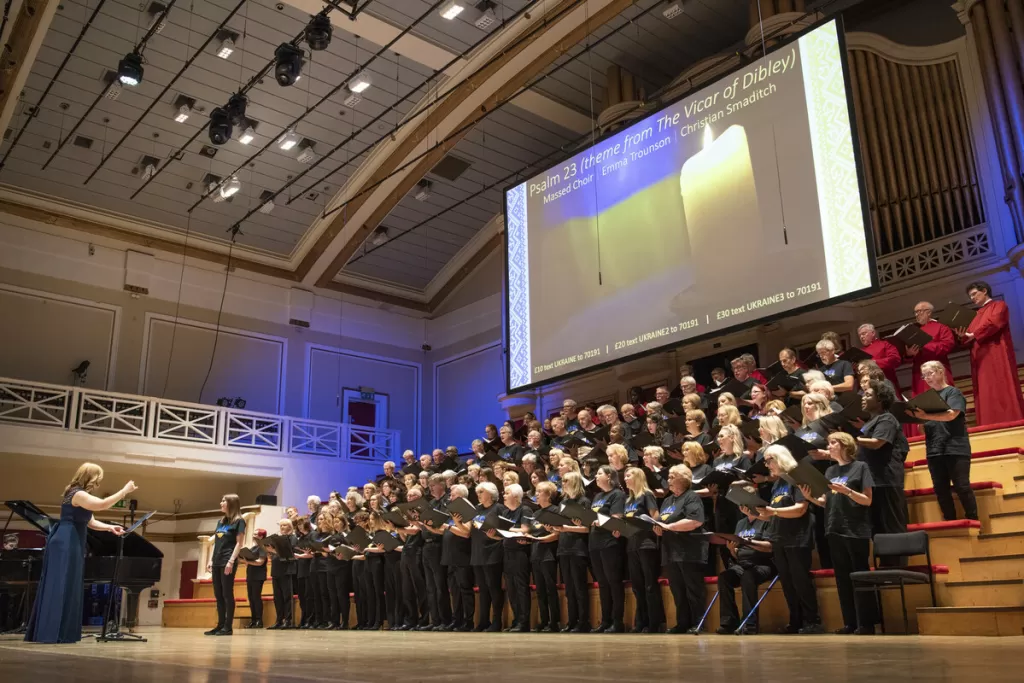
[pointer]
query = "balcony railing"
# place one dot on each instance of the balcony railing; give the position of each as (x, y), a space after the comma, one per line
(86, 410)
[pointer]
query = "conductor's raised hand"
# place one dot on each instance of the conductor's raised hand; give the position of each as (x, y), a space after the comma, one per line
(117, 530)
(129, 487)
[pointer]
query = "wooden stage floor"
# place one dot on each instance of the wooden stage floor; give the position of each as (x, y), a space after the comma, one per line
(186, 655)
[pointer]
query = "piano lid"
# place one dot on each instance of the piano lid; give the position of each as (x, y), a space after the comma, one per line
(31, 514)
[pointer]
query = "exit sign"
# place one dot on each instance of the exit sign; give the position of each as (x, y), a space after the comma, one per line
(120, 505)
(366, 393)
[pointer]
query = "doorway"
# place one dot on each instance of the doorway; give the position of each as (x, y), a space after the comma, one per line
(363, 410)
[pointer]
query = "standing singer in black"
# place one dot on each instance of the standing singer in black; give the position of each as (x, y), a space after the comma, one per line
(227, 543)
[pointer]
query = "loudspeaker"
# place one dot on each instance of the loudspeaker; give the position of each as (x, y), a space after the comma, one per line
(264, 499)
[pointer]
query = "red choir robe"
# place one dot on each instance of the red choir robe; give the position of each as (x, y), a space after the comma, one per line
(997, 396)
(938, 348)
(758, 377)
(888, 358)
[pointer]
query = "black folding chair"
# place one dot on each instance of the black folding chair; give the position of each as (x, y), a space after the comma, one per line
(892, 546)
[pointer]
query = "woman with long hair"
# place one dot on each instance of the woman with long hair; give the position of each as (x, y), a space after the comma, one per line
(572, 556)
(642, 555)
(255, 577)
(227, 543)
(57, 611)
(282, 572)
(374, 575)
(339, 576)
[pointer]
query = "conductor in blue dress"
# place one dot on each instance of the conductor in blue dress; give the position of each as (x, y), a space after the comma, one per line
(57, 612)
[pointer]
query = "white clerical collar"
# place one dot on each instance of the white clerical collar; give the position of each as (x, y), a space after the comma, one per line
(987, 301)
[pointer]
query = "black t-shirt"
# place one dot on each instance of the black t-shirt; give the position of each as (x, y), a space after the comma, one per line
(837, 371)
(886, 463)
(752, 531)
(798, 385)
(440, 504)
(513, 453)
(485, 550)
(257, 572)
(224, 540)
(414, 542)
(634, 507)
(609, 504)
(948, 438)
(305, 564)
(688, 546)
(844, 516)
(518, 517)
(569, 542)
(788, 532)
(542, 552)
(455, 550)
(412, 468)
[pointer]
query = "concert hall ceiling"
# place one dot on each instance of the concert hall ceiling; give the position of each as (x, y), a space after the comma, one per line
(389, 197)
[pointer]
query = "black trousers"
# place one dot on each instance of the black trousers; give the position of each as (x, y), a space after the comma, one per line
(393, 588)
(488, 584)
(608, 565)
(686, 579)
(339, 585)
(462, 596)
(820, 540)
(577, 596)
(373, 580)
(644, 570)
(360, 593)
(889, 516)
(853, 555)
(746, 577)
(283, 593)
(956, 469)
(254, 591)
(545, 576)
(321, 596)
(302, 590)
(794, 567)
(517, 584)
(436, 577)
(414, 586)
(224, 592)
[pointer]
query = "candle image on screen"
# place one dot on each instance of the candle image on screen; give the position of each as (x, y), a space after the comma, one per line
(720, 199)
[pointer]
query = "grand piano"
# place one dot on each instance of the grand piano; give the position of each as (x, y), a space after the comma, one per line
(138, 570)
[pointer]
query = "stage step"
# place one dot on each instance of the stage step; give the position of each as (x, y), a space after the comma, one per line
(986, 568)
(971, 621)
(1006, 543)
(1013, 502)
(203, 588)
(1018, 481)
(999, 593)
(924, 508)
(1001, 522)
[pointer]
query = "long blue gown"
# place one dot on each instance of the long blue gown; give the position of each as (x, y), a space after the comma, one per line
(57, 612)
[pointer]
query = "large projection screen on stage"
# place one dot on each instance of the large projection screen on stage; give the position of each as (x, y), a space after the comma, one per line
(739, 203)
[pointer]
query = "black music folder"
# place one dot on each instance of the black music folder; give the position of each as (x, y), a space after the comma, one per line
(345, 552)
(719, 477)
(911, 335)
(432, 518)
(759, 468)
(676, 425)
(492, 520)
(385, 540)
(643, 440)
(248, 555)
(674, 407)
(807, 474)
(783, 380)
(747, 495)
(855, 355)
(576, 511)
(463, 508)
(550, 517)
(358, 537)
(624, 528)
(396, 517)
(418, 504)
(734, 387)
(956, 316)
(282, 545)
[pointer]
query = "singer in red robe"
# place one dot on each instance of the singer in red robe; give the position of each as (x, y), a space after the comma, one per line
(938, 349)
(884, 353)
(997, 396)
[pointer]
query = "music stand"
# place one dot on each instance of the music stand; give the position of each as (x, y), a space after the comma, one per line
(116, 635)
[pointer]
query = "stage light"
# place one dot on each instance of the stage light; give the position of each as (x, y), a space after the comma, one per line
(423, 193)
(113, 90)
(452, 9)
(227, 46)
(487, 17)
(352, 100)
(318, 32)
(157, 18)
(129, 69)
(230, 188)
(224, 119)
(288, 140)
(360, 82)
(380, 236)
(306, 152)
(673, 10)
(289, 64)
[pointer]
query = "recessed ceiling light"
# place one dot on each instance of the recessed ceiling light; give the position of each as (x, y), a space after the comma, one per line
(360, 82)
(673, 10)
(288, 140)
(452, 9)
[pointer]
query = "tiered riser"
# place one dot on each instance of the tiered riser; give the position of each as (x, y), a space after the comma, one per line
(982, 594)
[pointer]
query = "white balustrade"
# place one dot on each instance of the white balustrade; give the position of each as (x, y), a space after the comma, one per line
(960, 247)
(77, 409)
(37, 404)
